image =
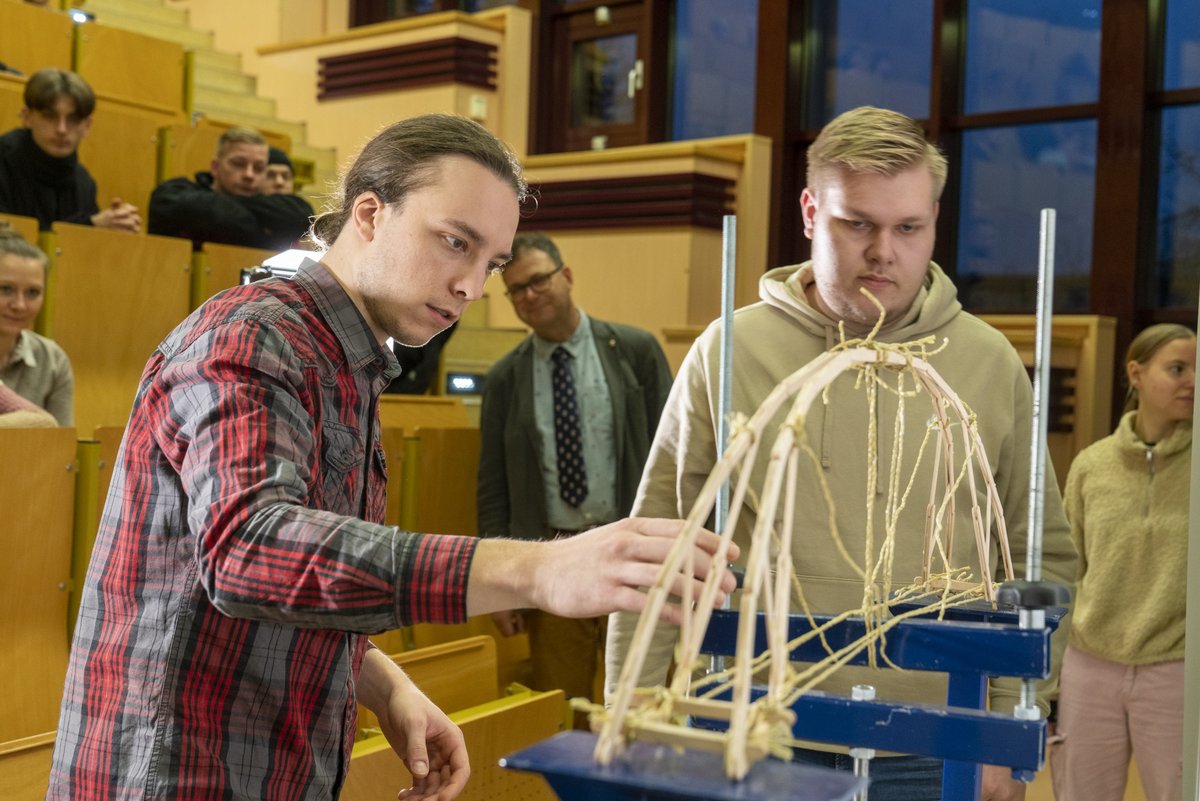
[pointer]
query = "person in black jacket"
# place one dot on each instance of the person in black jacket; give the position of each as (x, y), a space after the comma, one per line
(227, 205)
(40, 173)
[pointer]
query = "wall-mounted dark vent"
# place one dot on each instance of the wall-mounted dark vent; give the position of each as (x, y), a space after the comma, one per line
(690, 199)
(452, 60)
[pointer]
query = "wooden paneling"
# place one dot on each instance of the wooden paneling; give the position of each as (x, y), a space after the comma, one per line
(112, 297)
(441, 472)
(36, 495)
(12, 99)
(26, 226)
(32, 38)
(25, 767)
(491, 731)
(216, 267)
(634, 201)
(411, 412)
(130, 67)
(121, 152)
(390, 69)
(455, 675)
(96, 458)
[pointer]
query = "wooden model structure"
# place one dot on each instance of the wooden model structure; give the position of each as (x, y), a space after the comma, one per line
(763, 726)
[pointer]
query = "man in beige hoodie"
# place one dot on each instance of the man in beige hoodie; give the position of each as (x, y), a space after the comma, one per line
(870, 209)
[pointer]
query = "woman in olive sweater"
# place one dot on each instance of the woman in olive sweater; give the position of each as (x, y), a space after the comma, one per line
(1127, 501)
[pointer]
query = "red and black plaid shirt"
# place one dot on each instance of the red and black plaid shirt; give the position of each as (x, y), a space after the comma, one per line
(220, 631)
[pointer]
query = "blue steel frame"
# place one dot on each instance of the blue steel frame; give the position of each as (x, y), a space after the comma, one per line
(970, 644)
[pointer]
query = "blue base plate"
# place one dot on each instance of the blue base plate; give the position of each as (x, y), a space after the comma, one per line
(649, 771)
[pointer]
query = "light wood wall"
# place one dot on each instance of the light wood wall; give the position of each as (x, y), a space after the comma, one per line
(288, 73)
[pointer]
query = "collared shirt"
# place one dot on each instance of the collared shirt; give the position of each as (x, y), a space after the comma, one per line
(596, 422)
(39, 371)
(220, 629)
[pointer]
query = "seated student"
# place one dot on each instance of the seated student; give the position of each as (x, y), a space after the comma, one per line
(31, 365)
(40, 173)
(227, 204)
(280, 178)
(16, 412)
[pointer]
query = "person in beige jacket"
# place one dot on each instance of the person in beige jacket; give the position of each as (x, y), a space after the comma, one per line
(1127, 500)
(870, 209)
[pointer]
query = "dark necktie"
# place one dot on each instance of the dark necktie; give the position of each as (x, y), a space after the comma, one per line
(568, 442)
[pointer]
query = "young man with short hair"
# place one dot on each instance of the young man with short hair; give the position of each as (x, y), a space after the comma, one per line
(40, 173)
(227, 204)
(220, 649)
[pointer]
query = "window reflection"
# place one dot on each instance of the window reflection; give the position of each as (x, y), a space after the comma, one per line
(715, 46)
(1181, 66)
(1177, 273)
(867, 53)
(600, 80)
(1008, 176)
(1030, 53)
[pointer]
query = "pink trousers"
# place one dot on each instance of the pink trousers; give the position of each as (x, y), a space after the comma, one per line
(1106, 711)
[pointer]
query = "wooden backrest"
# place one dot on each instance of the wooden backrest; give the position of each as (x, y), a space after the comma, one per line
(37, 486)
(512, 653)
(27, 226)
(111, 298)
(130, 67)
(25, 767)
(216, 267)
(455, 675)
(12, 100)
(121, 152)
(439, 479)
(1081, 378)
(95, 458)
(32, 38)
(492, 731)
(411, 412)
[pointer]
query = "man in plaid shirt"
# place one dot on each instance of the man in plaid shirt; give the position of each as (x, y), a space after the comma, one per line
(220, 650)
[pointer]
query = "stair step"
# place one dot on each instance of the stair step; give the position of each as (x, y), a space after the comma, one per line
(324, 171)
(150, 10)
(224, 80)
(119, 18)
(208, 58)
(216, 102)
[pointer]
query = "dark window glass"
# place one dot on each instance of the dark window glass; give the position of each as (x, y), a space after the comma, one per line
(867, 53)
(1177, 273)
(1181, 65)
(600, 80)
(483, 5)
(1031, 53)
(715, 47)
(1008, 176)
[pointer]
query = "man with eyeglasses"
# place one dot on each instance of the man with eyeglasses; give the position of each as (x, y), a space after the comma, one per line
(40, 173)
(567, 421)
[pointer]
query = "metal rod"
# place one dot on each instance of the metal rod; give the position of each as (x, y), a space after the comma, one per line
(1041, 396)
(725, 379)
(725, 387)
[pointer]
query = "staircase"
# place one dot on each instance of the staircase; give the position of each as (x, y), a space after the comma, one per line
(219, 90)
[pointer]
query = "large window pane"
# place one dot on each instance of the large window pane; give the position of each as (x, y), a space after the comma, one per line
(1181, 66)
(1008, 176)
(600, 79)
(1031, 53)
(867, 53)
(1177, 277)
(715, 47)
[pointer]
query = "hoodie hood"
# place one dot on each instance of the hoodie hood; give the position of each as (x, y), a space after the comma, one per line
(936, 304)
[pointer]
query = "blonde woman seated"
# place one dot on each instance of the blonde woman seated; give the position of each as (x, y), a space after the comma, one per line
(31, 365)
(1127, 500)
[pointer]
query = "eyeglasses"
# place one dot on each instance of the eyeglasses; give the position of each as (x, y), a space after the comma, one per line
(536, 285)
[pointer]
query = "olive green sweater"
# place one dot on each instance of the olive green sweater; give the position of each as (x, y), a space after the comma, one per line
(1128, 507)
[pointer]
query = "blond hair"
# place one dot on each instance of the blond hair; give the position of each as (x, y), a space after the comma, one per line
(874, 140)
(1143, 347)
(239, 136)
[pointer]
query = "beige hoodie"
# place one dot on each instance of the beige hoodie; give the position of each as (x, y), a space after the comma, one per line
(773, 339)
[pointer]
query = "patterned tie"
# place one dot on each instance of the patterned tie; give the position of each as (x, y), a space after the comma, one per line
(568, 442)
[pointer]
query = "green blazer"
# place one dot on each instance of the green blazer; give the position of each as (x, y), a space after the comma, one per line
(511, 497)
